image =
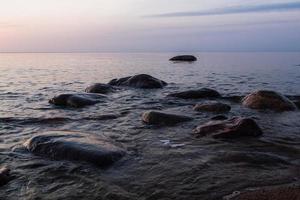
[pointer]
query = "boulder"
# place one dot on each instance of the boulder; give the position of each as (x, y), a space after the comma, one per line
(4, 175)
(75, 146)
(100, 88)
(232, 128)
(196, 94)
(212, 107)
(139, 81)
(76, 100)
(265, 99)
(160, 118)
(184, 58)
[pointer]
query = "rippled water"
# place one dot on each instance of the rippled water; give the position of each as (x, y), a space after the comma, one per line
(153, 168)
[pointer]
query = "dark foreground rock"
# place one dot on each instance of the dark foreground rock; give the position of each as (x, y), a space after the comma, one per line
(4, 175)
(232, 128)
(184, 58)
(196, 94)
(271, 100)
(219, 117)
(75, 146)
(100, 88)
(139, 81)
(212, 107)
(76, 100)
(160, 118)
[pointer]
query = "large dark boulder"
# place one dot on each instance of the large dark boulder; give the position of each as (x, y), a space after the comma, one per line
(212, 107)
(196, 94)
(76, 100)
(4, 175)
(184, 58)
(75, 146)
(100, 88)
(139, 81)
(232, 128)
(265, 99)
(160, 118)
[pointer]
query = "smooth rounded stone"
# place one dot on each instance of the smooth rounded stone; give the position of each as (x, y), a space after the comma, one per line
(160, 118)
(100, 88)
(76, 100)
(4, 175)
(196, 94)
(139, 81)
(184, 58)
(265, 99)
(219, 117)
(232, 128)
(212, 107)
(75, 146)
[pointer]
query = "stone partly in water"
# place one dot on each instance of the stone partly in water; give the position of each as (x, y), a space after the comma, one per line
(184, 58)
(160, 118)
(264, 99)
(212, 107)
(100, 88)
(75, 146)
(76, 100)
(219, 117)
(232, 128)
(139, 81)
(4, 175)
(196, 94)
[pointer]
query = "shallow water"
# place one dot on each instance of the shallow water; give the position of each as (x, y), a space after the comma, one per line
(162, 162)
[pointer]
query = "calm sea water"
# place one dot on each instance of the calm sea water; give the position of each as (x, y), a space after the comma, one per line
(195, 169)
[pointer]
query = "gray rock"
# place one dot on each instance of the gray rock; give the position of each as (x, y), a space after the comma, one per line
(160, 118)
(100, 88)
(4, 175)
(212, 107)
(75, 146)
(196, 94)
(184, 58)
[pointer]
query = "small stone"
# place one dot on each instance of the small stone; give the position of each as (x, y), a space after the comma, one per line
(160, 118)
(212, 107)
(4, 175)
(100, 88)
(196, 94)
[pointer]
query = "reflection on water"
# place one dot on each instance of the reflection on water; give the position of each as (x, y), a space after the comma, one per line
(195, 168)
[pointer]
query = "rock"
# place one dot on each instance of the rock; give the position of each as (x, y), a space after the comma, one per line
(76, 100)
(160, 118)
(75, 146)
(232, 128)
(219, 117)
(100, 88)
(4, 175)
(212, 107)
(139, 81)
(184, 58)
(196, 94)
(264, 99)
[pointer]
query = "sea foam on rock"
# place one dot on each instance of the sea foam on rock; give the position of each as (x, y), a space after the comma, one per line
(271, 100)
(100, 88)
(75, 146)
(4, 175)
(196, 94)
(184, 58)
(144, 81)
(212, 106)
(161, 118)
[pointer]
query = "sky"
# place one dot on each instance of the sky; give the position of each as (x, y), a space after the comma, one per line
(149, 25)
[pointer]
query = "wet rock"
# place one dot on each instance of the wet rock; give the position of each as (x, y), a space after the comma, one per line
(232, 128)
(184, 58)
(75, 146)
(76, 100)
(265, 99)
(219, 117)
(100, 88)
(297, 103)
(160, 118)
(4, 175)
(139, 81)
(212, 107)
(196, 94)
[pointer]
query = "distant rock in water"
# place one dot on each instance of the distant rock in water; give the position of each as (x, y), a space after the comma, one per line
(196, 94)
(271, 100)
(139, 81)
(100, 88)
(4, 175)
(76, 100)
(232, 128)
(75, 146)
(160, 118)
(184, 58)
(212, 107)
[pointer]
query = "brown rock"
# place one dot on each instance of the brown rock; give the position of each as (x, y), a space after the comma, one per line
(196, 94)
(4, 175)
(100, 88)
(160, 118)
(212, 107)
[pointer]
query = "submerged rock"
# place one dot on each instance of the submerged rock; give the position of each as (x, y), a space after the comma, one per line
(212, 107)
(75, 146)
(100, 88)
(196, 94)
(184, 58)
(4, 175)
(219, 117)
(232, 128)
(76, 100)
(265, 99)
(139, 81)
(160, 118)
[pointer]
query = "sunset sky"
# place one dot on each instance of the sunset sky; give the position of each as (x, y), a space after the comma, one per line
(149, 25)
